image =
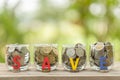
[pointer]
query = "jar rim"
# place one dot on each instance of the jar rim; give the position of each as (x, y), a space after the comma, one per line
(44, 45)
(17, 45)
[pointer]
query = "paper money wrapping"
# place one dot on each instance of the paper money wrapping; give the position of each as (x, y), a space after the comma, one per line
(74, 52)
(98, 50)
(17, 50)
(46, 50)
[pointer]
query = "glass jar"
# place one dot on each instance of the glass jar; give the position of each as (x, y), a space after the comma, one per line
(48, 54)
(17, 57)
(74, 57)
(101, 56)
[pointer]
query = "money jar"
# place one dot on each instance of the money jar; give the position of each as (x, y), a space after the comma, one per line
(17, 57)
(46, 57)
(74, 57)
(101, 56)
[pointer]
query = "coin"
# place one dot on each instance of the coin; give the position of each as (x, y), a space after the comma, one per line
(45, 50)
(70, 52)
(108, 62)
(75, 52)
(40, 58)
(55, 54)
(99, 46)
(17, 50)
(78, 45)
(55, 50)
(24, 50)
(51, 59)
(65, 58)
(82, 61)
(37, 51)
(11, 49)
(15, 53)
(79, 52)
(99, 50)
(22, 58)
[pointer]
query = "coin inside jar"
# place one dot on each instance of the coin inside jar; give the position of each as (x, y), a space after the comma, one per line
(46, 51)
(99, 46)
(17, 57)
(99, 50)
(74, 55)
(79, 52)
(71, 52)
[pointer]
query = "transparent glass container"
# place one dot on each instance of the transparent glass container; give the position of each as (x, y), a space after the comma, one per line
(17, 57)
(46, 50)
(74, 52)
(101, 50)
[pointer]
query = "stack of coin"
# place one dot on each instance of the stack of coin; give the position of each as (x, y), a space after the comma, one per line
(98, 50)
(22, 51)
(74, 52)
(46, 50)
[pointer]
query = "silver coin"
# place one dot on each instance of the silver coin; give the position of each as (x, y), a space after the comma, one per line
(65, 58)
(82, 61)
(78, 45)
(11, 49)
(70, 52)
(79, 52)
(99, 50)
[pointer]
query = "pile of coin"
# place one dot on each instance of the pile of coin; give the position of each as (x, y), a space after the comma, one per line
(74, 52)
(22, 51)
(46, 50)
(98, 50)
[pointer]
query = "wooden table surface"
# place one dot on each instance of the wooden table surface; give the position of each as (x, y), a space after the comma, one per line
(59, 74)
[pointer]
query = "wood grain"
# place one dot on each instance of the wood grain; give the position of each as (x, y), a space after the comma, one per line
(60, 74)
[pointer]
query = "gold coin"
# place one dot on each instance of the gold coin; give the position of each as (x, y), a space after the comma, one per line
(55, 50)
(45, 50)
(40, 58)
(52, 59)
(108, 62)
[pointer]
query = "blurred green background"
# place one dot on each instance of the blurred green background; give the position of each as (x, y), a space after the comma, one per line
(59, 21)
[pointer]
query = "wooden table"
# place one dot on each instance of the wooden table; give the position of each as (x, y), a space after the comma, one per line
(60, 74)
